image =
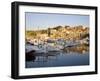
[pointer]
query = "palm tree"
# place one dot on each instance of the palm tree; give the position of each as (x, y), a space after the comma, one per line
(49, 32)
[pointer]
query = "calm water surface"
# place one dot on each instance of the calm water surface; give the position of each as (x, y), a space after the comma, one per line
(60, 58)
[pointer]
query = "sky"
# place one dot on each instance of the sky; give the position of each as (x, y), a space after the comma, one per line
(36, 21)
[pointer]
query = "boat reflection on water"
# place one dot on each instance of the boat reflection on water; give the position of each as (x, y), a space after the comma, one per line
(69, 56)
(30, 56)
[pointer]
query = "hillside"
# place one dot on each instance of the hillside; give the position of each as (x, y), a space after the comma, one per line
(59, 32)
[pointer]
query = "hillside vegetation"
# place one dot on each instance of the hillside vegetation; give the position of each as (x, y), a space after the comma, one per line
(66, 32)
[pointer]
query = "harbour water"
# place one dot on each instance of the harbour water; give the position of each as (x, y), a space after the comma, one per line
(68, 57)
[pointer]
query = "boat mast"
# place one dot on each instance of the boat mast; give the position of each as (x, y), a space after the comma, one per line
(38, 37)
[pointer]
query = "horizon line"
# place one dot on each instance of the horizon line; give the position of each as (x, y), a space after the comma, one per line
(38, 27)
